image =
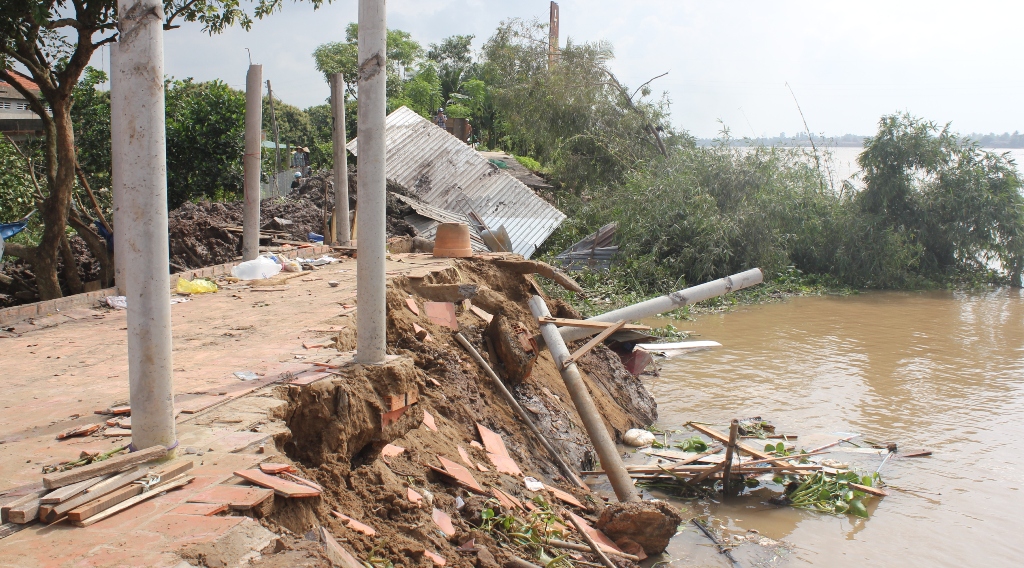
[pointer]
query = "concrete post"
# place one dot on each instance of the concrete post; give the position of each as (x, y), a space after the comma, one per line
(140, 189)
(342, 229)
(669, 302)
(593, 423)
(251, 162)
(371, 333)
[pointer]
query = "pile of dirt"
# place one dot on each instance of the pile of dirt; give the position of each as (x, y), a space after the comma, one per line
(337, 431)
(22, 287)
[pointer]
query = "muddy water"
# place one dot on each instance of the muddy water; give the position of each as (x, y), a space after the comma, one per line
(942, 371)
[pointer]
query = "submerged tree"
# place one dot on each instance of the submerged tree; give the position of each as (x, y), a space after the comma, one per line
(54, 40)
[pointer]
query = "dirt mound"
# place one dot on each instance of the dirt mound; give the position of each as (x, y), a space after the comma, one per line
(340, 425)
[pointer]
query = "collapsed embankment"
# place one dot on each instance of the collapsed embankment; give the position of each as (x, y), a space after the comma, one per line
(337, 430)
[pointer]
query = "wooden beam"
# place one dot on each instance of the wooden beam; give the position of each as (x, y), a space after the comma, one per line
(111, 499)
(594, 342)
(69, 491)
(156, 491)
(51, 513)
(24, 510)
(111, 465)
(779, 461)
(563, 322)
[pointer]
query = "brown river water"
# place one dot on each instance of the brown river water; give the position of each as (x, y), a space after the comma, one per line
(937, 370)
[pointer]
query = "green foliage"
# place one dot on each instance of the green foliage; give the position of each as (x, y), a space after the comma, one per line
(343, 57)
(529, 163)
(91, 118)
(16, 190)
(455, 63)
(205, 138)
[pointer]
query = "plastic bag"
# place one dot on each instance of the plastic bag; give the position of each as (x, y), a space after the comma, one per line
(261, 267)
(197, 286)
(291, 266)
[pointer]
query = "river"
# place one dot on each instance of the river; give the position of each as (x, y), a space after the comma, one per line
(843, 160)
(936, 370)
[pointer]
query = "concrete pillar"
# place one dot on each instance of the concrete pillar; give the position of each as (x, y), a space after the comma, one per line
(251, 162)
(371, 333)
(140, 192)
(342, 230)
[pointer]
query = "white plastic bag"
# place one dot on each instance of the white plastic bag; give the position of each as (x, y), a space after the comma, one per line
(261, 267)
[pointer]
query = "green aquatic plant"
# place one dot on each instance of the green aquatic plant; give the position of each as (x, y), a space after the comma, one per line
(831, 493)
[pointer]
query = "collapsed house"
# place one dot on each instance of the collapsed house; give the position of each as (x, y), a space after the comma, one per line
(441, 171)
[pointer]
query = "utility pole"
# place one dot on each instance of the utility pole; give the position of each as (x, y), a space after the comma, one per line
(553, 36)
(342, 229)
(371, 334)
(251, 162)
(277, 142)
(139, 167)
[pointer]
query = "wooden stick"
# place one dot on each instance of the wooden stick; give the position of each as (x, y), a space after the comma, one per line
(594, 342)
(512, 402)
(563, 322)
(585, 548)
(69, 491)
(703, 476)
(745, 449)
(734, 431)
(105, 502)
(836, 443)
(111, 465)
(25, 509)
(593, 545)
(711, 537)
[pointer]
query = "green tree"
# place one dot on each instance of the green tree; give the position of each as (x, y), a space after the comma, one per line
(454, 60)
(54, 40)
(342, 57)
(205, 138)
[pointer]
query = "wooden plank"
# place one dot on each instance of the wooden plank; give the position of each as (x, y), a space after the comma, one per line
(111, 465)
(745, 449)
(869, 490)
(69, 491)
(563, 322)
(97, 506)
(280, 486)
(50, 514)
(156, 491)
(24, 510)
(594, 342)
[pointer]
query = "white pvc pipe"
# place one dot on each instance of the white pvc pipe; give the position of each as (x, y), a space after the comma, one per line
(371, 334)
(140, 188)
(342, 229)
(251, 162)
(611, 461)
(669, 302)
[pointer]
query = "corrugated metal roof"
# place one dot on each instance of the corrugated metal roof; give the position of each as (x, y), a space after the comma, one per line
(427, 218)
(440, 170)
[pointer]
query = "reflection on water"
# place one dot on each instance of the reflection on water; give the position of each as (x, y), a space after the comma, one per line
(938, 370)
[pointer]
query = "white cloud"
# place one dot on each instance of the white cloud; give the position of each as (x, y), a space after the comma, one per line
(847, 62)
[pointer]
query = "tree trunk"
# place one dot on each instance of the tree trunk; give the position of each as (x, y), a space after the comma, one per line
(61, 181)
(97, 246)
(70, 267)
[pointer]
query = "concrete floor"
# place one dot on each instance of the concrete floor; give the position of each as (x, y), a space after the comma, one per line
(56, 377)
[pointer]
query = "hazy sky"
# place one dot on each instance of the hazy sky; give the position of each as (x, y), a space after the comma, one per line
(847, 62)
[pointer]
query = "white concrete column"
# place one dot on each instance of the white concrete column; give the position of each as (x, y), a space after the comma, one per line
(371, 330)
(251, 162)
(140, 191)
(342, 229)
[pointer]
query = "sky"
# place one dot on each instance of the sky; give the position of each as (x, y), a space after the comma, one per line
(728, 62)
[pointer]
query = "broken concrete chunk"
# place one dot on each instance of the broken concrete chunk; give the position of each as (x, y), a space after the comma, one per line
(648, 523)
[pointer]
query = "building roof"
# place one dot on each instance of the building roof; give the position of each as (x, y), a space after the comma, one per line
(440, 170)
(23, 80)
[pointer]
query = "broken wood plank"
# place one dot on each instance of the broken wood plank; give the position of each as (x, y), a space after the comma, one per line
(594, 342)
(24, 510)
(103, 503)
(869, 490)
(779, 461)
(111, 465)
(280, 486)
(156, 491)
(564, 322)
(69, 491)
(49, 514)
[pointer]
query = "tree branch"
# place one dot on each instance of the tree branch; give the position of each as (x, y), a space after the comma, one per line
(645, 84)
(178, 12)
(64, 23)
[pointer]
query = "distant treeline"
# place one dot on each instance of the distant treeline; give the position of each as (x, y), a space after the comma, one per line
(990, 140)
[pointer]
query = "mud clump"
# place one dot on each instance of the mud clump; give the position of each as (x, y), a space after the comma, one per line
(649, 524)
